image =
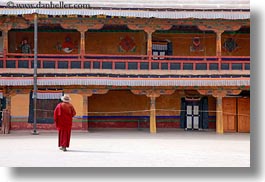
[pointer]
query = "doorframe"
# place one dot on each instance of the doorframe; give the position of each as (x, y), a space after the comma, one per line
(203, 108)
(193, 102)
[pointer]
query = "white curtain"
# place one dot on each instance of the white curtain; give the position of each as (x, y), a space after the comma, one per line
(49, 95)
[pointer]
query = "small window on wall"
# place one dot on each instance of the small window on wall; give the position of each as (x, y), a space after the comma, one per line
(46, 103)
(159, 50)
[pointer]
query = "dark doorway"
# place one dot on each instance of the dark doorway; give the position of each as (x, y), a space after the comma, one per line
(194, 113)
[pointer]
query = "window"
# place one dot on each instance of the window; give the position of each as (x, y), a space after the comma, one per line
(159, 50)
(46, 103)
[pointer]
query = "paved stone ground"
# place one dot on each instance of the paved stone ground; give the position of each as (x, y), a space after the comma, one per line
(126, 148)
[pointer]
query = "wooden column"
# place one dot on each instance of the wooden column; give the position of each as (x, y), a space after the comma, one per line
(82, 30)
(82, 42)
(82, 27)
(5, 46)
(219, 46)
(150, 26)
(219, 28)
(8, 102)
(9, 22)
(219, 42)
(152, 114)
(152, 94)
(5, 40)
(219, 115)
(149, 33)
(82, 47)
(85, 109)
(6, 125)
(5, 43)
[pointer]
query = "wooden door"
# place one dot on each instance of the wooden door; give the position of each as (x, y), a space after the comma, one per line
(192, 115)
(243, 114)
(229, 115)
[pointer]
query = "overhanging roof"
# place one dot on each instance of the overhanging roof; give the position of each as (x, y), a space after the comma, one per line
(155, 4)
(169, 9)
(66, 81)
(133, 13)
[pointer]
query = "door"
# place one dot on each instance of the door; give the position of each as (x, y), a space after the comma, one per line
(192, 116)
(243, 115)
(229, 115)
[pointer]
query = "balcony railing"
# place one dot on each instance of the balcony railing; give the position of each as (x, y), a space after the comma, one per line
(125, 62)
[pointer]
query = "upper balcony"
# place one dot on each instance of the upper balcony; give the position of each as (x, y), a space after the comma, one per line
(116, 50)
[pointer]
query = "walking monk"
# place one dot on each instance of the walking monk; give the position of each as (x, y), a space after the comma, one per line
(63, 117)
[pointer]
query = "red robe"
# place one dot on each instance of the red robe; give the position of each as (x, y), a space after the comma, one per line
(63, 117)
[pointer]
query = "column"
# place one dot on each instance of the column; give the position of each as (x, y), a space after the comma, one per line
(82, 52)
(149, 32)
(86, 93)
(152, 114)
(219, 46)
(219, 115)
(219, 29)
(85, 109)
(82, 27)
(5, 45)
(82, 47)
(82, 42)
(152, 94)
(8, 102)
(5, 40)
(6, 115)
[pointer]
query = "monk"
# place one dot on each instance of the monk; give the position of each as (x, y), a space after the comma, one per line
(63, 117)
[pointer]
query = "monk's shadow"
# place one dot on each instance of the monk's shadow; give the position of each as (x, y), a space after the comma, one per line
(87, 151)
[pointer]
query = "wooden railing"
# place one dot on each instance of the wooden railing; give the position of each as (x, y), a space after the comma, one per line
(125, 62)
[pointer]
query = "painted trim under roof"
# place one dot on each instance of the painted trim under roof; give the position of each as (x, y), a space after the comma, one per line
(66, 81)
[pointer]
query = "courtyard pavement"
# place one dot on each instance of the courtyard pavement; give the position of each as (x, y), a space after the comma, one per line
(126, 148)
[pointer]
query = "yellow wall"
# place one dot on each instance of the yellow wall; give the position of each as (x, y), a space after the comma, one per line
(212, 106)
(182, 42)
(108, 42)
(47, 42)
(119, 102)
(77, 102)
(243, 42)
(124, 100)
(168, 105)
(20, 105)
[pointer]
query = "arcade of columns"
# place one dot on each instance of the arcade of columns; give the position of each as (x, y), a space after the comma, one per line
(149, 26)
